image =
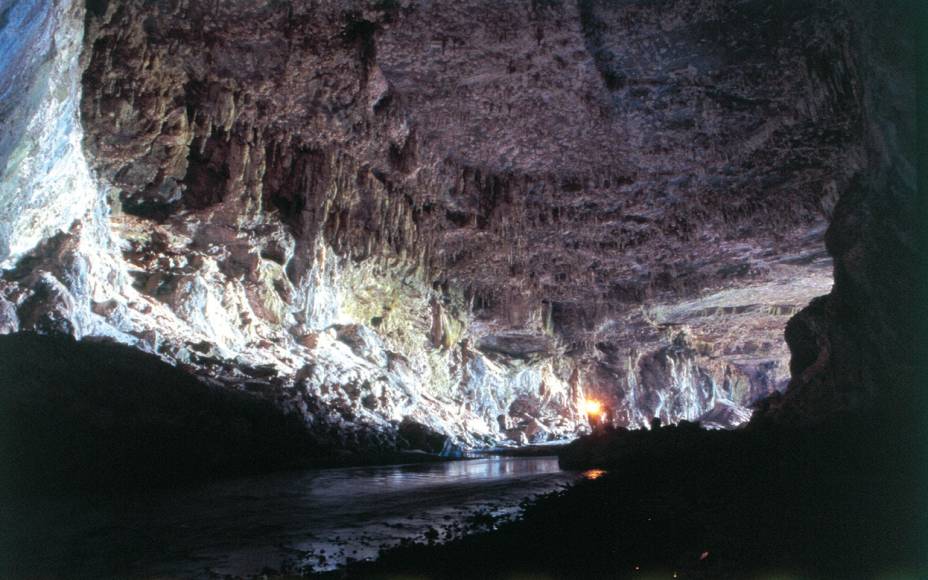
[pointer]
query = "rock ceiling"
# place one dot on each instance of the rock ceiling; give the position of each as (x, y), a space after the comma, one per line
(468, 213)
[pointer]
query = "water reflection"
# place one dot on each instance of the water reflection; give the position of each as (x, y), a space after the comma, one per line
(593, 473)
(313, 519)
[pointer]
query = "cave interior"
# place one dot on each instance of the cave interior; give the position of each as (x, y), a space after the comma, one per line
(677, 241)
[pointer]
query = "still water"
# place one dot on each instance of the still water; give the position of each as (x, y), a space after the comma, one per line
(308, 520)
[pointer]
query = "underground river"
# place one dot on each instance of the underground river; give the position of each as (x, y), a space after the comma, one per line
(295, 521)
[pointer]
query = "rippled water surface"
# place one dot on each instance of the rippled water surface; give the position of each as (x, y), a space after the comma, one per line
(300, 521)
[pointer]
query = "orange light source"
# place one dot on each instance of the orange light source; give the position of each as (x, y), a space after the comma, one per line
(593, 473)
(591, 407)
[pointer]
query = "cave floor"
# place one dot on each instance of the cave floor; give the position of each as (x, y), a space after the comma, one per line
(835, 501)
(301, 520)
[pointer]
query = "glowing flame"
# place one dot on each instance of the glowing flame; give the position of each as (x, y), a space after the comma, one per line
(593, 473)
(591, 407)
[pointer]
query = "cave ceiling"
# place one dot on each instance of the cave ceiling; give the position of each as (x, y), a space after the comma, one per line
(624, 186)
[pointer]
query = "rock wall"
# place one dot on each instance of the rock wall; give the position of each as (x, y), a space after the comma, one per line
(44, 182)
(464, 216)
(858, 346)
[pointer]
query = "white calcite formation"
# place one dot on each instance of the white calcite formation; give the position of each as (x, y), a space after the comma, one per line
(45, 184)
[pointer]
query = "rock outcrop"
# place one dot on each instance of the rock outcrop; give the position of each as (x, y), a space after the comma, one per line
(462, 216)
(859, 345)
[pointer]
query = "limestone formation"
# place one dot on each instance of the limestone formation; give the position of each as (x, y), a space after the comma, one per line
(461, 216)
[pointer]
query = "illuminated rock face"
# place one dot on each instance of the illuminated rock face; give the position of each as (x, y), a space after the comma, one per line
(467, 216)
(45, 185)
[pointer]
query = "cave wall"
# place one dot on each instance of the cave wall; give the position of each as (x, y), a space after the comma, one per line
(44, 182)
(858, 346)
(466, 215)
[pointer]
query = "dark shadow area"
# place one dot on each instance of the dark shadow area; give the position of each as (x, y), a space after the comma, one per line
(837, 500)
(84, 416)
(99, 417)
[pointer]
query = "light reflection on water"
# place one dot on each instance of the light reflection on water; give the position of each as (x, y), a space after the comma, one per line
(313, 519)
(592, 474)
